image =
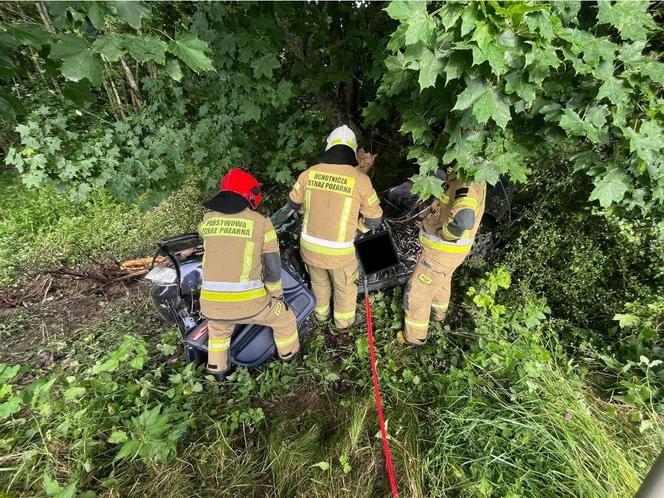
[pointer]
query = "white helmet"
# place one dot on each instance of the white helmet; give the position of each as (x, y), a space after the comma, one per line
(342, 136)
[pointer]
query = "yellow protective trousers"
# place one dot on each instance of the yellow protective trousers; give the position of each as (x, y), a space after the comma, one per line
(429, 288)
(276, 315)
(339, 285)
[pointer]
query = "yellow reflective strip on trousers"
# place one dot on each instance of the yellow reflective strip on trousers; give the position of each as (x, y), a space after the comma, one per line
(219, 344)
(218, 349)
(345, 214)
(232, 296)
(373, 199)
(444, 247)
(440, 306)
(273, 287)
(286, 340)
(329, 251)
(344, 315)
(416, 324)
(466, 202)
(307, 209)
(322, 310)
(247, 261)
(448, 234)
(270, 236)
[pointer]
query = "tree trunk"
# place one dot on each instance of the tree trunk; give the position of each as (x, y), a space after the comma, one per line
(135, 90)
(46, 19)
(117, 97)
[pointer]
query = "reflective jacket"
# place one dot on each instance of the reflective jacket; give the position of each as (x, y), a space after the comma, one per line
(450, 227)
(333, 197)
(241, 265)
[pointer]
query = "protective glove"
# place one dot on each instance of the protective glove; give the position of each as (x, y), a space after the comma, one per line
(365, 161)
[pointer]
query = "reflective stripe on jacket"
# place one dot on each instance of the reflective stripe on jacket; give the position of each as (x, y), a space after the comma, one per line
(454, 219)
(241, 264)
(333, 197)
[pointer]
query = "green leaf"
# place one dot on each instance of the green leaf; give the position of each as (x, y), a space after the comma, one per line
(630, 18)
(468, 19)
(541, 21)
(648, 142)
(614, 90)
(571, 122)
(631, 53)
(9, 407)
(109, 46)
(415, 124)
(173, 69)
(492, 104)
(420, 25)
(332, 377)
(96, 12)
(86, 65)
(514, 83)
(132, 12)
(190, 50)
(78, 92)
(543, 57)
(627, 320)
(265, 66)
(73, 393)
(427, 186)
(374, 112)
(463, 143)
(482, 35)
(654, 70)
(475, 89)
(400, 10)
(324, 466)
(51, 486)
(67, 45)
(449, 13)
(250, 111)
(430, 68)
(454, 66)
(427, 161)
(31, 35)
(610, 187)
(117, 437)
(8, 372)
(146, 48)
(495, 55)
(597, 49)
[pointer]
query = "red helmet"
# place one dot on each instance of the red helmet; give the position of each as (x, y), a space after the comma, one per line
(241, 182)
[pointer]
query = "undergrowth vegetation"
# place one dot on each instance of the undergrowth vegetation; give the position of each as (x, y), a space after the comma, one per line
(118, 119)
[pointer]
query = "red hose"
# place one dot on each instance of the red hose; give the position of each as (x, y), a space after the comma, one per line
(379, 405)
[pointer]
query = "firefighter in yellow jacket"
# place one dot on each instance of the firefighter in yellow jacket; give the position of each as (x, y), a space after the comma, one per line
(446, 236)
(241, 271)
(334, 195)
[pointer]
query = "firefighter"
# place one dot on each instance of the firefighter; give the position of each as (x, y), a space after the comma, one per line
(241, 271)
(446, 236)
(334, 194)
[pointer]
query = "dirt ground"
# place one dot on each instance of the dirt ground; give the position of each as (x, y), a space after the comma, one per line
(35, 330)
